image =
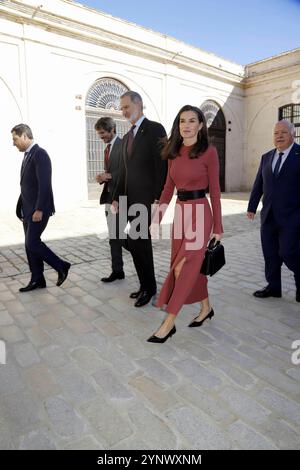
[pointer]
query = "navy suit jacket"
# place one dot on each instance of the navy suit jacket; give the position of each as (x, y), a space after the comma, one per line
(143, 173)
(281, 193)
(36, 186)
(113, 168)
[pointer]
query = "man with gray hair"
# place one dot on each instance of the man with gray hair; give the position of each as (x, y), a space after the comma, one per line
(277, 181)
(142, 178)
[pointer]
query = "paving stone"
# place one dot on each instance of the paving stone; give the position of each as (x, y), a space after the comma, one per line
(40, 439)
(108, 328)
(196, 351)
(275, 339)
(87, 359)
(132, 443)
(20, 413)
(96, 341)
(78, 326)
(111, 385)
(158, 371)
(118, 360)
(110, 426)
(11, 334)
(25, 320)
(5, 296)
(261, 355)
(85, 312)
(197, 374)
(277, 379)
(287, 408)
(248, 438)
(65, 421)
(294, 373)
(235, 356)
(91, 301)
(54, 355)
(5, 319)
(160, 399)
(62, 311)
(34, 308)
(244, 406)
(277, 352)
(10, 380)
(86, 443)
(157, 434)
(41, 380)
(283, 435)
(38, 336)
(69, 300)
(6, 440)
(239, 377)
(169, 355)
(65, 338)
(49, 321)
(198, 431)
(74, 385)
(26, 355)
(75, 291)
(220, 336)
(211, 404)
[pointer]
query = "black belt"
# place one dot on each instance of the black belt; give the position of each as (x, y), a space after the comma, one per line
(186, 195)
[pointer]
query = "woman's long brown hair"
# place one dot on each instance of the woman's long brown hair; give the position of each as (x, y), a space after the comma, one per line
(173, 144)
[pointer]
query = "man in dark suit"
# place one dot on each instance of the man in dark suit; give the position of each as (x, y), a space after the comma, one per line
(106, 129)
(35, 206)
(142, 178)
(277, 181)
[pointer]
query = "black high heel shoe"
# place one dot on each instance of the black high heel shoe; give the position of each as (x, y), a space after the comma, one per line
(156, 339)
(195, 324)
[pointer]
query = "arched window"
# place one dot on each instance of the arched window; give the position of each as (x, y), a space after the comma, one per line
(216, 125)
(105, 94)
(291, 112)
(103, 99)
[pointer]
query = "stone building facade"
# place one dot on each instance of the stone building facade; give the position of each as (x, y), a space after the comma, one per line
(64, 65)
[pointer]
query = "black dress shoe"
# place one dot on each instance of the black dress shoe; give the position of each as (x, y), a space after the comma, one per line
(195, 323)
(63, 274)
(144, 298)
(113, 277)
(135, 295)
(267, 292)
(298, 295)
(156, 339)
(40, 284)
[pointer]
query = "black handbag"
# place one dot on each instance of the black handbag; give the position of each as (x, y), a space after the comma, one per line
(214, 258)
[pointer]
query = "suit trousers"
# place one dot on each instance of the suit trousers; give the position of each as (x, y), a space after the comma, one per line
(142, 254)
(280, 244)
(37, 252)
(115, 230)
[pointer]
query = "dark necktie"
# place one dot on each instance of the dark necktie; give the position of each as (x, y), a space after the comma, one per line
(24, 161)
(106, 157)
(130, 140)
(278, 163)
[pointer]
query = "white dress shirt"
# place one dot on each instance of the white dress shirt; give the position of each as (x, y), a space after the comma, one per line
(283, 158)
(137, 125)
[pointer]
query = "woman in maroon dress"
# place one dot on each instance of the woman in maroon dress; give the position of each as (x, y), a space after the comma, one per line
(193, 165)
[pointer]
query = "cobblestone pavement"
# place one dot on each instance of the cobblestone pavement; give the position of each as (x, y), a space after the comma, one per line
(80, 375)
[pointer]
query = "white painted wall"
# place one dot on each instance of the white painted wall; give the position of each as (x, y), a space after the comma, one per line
(47, 61)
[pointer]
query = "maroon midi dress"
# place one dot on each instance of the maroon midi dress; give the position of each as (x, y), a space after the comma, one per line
(194, 222)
